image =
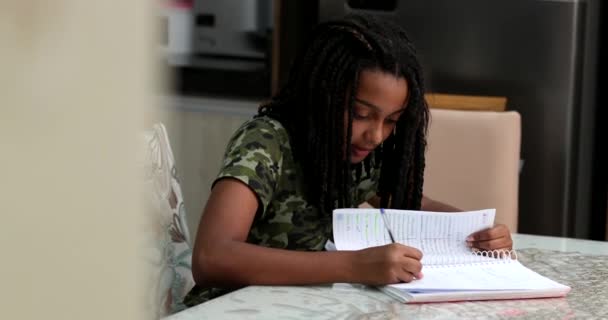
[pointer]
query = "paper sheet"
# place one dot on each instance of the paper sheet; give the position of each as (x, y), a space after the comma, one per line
(436, 234)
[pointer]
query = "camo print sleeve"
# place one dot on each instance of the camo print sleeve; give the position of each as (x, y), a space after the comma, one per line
(367, 188)
(254, 156)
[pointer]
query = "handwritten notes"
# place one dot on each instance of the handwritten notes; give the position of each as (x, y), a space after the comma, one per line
(434, 233)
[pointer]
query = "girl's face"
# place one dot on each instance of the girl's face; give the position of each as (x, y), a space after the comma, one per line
(380, 100)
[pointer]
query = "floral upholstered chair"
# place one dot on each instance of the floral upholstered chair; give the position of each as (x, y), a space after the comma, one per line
(167, 249)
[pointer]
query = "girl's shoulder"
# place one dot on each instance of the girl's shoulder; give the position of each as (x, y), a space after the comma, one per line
(260, 134)
(263, 126)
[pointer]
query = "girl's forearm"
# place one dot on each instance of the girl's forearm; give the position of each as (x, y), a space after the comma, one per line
(235, 263)
(429, 204)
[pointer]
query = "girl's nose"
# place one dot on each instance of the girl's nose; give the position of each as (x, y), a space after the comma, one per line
(375, 134)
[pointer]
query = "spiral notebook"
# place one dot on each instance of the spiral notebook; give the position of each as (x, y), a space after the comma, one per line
(452, 272)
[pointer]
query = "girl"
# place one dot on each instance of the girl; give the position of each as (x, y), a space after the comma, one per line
(349, 127)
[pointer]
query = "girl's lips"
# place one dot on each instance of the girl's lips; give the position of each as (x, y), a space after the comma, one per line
(358, 152)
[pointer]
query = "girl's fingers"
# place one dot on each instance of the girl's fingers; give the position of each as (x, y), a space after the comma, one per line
(494, 244)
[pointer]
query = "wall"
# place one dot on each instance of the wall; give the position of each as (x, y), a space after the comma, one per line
(199, 129)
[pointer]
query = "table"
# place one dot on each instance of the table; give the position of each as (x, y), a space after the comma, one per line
(581, 264)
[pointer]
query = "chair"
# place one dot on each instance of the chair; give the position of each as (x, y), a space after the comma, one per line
(472, 161)
(167, 249)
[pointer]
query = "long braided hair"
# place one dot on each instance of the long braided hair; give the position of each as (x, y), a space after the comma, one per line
(319, 92)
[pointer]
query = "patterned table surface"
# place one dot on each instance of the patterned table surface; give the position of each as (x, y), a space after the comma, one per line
(580, 264)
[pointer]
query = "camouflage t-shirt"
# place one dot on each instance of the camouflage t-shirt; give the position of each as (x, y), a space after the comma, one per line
(259, 154)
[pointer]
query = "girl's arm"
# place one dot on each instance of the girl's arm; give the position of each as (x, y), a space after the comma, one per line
(428, 204)
(222, 258)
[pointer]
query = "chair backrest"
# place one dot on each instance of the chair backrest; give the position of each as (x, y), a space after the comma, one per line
(472, 161)
(167, 247)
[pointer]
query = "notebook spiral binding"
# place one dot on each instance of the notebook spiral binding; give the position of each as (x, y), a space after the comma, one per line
(472, 257)
(497, 254)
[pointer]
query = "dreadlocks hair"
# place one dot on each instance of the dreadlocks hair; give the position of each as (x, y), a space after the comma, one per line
(320, 91)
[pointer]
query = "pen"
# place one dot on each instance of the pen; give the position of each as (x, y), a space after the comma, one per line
(390, 233)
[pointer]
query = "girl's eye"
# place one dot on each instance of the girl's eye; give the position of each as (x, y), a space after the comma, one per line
(391, 121)
(360, 116)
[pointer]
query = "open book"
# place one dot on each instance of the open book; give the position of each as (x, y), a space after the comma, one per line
(452, 272)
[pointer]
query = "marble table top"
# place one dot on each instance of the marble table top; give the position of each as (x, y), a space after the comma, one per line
(581, 264)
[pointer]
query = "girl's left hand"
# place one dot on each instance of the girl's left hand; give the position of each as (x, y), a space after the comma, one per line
(495, 238)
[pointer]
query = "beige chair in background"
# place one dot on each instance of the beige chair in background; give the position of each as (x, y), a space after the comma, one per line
(472, 161)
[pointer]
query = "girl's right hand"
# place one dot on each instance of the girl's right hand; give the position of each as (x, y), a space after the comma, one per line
(392, 263)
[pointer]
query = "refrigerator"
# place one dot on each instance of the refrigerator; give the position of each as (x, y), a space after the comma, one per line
(541, 55)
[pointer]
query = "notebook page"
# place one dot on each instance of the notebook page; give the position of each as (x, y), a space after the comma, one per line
(439, 235)
(434, 233)
(501, 275)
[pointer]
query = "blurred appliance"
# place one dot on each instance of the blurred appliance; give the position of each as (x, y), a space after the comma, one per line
(542, 55)
(232, 28)
(231, 50)
(177, 16)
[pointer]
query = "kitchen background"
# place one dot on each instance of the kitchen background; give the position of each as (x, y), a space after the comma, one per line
(228, 55)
